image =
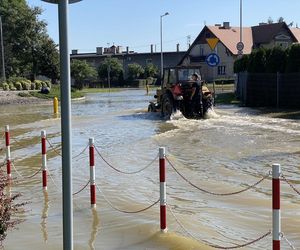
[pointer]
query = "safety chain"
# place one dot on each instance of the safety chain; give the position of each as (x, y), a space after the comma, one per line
(124, 211)
(289, 243)
(26, 177)
(213, 245)
(291, 185)
(49, 173)
(123, 172)
(3, 164)
(53, 148)
(81, 188)
(217, 194)
(81, 152)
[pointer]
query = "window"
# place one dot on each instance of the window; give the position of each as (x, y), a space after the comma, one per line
(148, 61)
(201, 51)
(221, 70)
(283, 45)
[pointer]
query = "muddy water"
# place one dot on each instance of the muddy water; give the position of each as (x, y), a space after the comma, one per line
(222, 154)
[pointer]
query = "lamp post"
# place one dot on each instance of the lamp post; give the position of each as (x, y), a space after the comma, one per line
(65, 84)
(161, 48)
(2, 51)
(241, 20)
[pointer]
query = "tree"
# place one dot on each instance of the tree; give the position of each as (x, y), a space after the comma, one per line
(241, 64)
(135, 70)
(270, 20)
(293, 59)
(81, 70)
(280, 20)
(275, 60)
(24, 37)
(257, 61)
(115, 67)
(151, 70)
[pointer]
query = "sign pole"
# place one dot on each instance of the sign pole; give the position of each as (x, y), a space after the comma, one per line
(66, 125)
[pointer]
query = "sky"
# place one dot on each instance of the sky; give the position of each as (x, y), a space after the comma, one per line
(136, 23)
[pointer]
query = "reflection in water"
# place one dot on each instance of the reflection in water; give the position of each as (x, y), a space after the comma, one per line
(94, 228)
(45, 216)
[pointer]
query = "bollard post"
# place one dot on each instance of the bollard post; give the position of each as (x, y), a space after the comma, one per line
(44, 159)
(55, 105)
(8, 157)
(163, 193)
(92, 173)
(276, 171)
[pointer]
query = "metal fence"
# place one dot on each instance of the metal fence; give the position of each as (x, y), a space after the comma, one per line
(265, 89)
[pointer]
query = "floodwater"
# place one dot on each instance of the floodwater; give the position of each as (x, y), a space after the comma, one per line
(231, 150)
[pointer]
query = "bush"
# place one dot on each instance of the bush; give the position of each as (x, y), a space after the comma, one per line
(32, 86)
(5, 86)
(48, 83)
(15, 79)
(38, 84)
(18, 86)
(12, 87)
(26, 85)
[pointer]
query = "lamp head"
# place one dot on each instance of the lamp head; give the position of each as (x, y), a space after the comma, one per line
(57, 1)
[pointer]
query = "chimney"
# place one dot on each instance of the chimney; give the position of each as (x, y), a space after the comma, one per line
(151, 48)
(74, 51)
(119, 49)
(127, 50)
(226, 25)
(177, 47)
(99, 50)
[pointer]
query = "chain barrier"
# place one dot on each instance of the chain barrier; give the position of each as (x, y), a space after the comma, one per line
(26, 177)
(124, 211)
(81, 188)
(53, 148)
(49, 173)
(81, 152)
(15, 141)
(213, 245)
(291, 185)
(217, 194)
(287, 241)
(123, 172)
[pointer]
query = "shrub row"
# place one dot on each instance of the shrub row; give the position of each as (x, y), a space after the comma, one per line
(24, 84)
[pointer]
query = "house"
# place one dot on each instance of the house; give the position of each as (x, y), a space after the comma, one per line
(263, 35)
(127, 57)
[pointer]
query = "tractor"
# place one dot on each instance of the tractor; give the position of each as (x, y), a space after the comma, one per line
(175, 94)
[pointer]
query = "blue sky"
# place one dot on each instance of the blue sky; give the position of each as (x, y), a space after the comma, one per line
(135, 23)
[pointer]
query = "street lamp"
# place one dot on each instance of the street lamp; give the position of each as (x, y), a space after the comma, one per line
(2, 51)
(65, 84)
(161, 48)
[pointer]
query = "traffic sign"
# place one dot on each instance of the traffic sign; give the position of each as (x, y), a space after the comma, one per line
(212, 42)
(240, 46)
(212, 60)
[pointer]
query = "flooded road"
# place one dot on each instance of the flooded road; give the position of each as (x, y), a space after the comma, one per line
(228, 152)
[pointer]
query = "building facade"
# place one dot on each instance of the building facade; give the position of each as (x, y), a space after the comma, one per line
(263, 35)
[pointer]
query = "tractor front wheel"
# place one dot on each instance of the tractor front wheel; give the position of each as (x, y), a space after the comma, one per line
(166, 107)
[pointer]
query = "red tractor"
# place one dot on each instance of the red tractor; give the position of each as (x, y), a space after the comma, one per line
(175, 94)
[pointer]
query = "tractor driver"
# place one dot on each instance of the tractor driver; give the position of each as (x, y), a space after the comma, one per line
(195, 96)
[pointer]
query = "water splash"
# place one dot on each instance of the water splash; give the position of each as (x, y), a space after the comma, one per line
(177, 115)
(211, 114)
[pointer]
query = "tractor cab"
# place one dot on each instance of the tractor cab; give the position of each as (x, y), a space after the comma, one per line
(175, 94)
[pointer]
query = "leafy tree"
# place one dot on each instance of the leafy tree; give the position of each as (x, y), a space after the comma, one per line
(81, 70)
(241, 64)
(25, 38)
(115, 67)
(135, 70)
(151, 70)
(270, 20)
(293, 59)
(280, 20)
(257, 61)
(275, 60)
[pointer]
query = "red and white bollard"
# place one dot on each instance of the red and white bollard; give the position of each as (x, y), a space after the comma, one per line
(276, 172)
(92, 173)
(163, 192)
(8, 157)
(44, 159)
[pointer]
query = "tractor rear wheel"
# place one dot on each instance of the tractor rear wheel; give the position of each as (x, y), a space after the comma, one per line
(167, 106)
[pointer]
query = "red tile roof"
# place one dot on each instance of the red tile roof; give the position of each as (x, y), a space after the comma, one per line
(296, 33)
(230, 37)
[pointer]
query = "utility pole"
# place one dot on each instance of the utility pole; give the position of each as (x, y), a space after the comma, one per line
(2, 51)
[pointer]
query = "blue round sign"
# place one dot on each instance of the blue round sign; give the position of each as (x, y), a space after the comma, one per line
(212, 60)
